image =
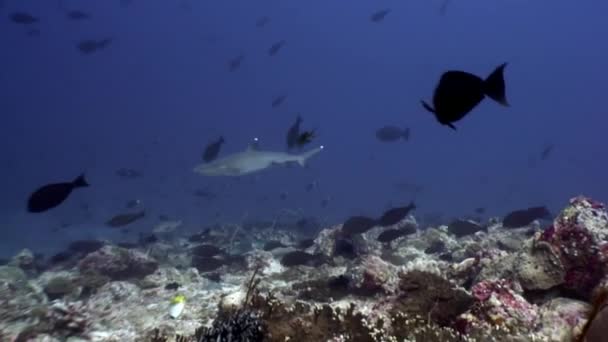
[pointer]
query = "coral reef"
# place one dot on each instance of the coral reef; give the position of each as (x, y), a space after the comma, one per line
(467, 281)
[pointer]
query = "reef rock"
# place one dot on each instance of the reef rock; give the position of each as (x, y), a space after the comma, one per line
(118, 263)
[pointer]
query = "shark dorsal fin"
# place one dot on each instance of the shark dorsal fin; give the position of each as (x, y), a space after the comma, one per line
(253, 146)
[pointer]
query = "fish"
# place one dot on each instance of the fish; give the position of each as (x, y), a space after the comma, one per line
(276, 47)
(252, 160)
(126, 173)
(390, 235)
(212, 150)
(378, 16)
(88, 46)
(236, 62)
(273, 244)
(133, 203)
(122, 220)
(357, 225)
(52, 195)
(173, 286)
(278, 101)
(523, 217)
(262, 21)
(77, 15)
(392, 134)
(546, 152)
(458, 92)
(395, 215)
(461, 227)
(311, 186)
(293, 133)
(480, 210)
(23, 18)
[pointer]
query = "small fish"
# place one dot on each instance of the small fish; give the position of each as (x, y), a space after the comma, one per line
(77, 15)
(236, 62)
(52, 195)
(461, 227)
(395, 215)
(278, 100)
(357, 225)
(325, 202)
(390, 235)
(303, 244)
(311, 186)
(523, 217)
(23, 18)
(458, 92)
(172, 286)
(128, 173)
(88, 46)
(546, 152)
(305, 138)
(283, 196)
(480, 210)
(294, 133)
(262, 21)
(276, 47)
(122, 220)
(133, 203)
(212, 150)
(392, 134)
(270, 245)
(379, 15)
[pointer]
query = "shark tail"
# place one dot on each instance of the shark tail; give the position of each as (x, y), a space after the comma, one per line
(304, 156)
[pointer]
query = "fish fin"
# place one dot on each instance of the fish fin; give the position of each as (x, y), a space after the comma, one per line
(451, 126)
(304, 156)
(80, 182)
(494, 85)
(427, 107)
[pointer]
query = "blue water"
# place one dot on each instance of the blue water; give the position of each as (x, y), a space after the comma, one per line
(161, 91)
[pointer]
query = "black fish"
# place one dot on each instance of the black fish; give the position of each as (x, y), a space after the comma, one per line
(274, 49)
(236, 62)
(128, 173)
(89, 46)
(458, 92)
(262, 21)
(23, 18)
(305, 138)
(52, 195)
(293, 133)
(122, 220)
(172, 286)
(357, 225)
(207, 251)
(77, 15)
(270, 245)
(395, 215)
(546, 152)
(380, 15)
(303, 244)
(392, 133)
(278, 100)
(390, 235)
(345, 249)
(522, 218)
(461, 227)
(480, 210)
(212, 150)
(299, 258)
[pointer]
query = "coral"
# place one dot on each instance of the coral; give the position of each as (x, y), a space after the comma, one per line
(24, 260)
(371, 276)
(538, 267)
(499, 305)
(427, 294)
(561, 318)
(578, 236)
(59, 286)
(118, 263)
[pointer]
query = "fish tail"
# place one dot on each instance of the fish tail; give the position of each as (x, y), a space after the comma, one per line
(494, 85)
(304, 156)
(80, 182)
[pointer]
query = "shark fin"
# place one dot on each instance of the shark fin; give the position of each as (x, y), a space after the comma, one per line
(304, 156)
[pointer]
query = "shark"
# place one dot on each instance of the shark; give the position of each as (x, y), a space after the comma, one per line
(252, 160)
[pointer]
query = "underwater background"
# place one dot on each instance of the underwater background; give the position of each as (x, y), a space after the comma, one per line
(136, 114)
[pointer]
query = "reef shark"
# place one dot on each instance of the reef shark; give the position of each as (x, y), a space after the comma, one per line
(251, 160)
